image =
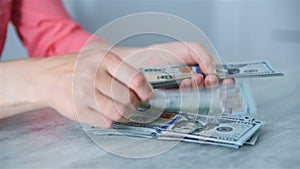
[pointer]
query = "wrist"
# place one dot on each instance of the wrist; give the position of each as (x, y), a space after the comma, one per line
(17, 82)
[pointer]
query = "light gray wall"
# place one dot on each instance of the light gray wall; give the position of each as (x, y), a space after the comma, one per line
(240, 30)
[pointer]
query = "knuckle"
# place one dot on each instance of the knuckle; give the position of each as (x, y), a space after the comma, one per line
(112, 63)
(113, 58)
(138, 81)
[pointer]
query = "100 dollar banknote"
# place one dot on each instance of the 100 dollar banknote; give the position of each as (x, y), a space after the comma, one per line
(172, 75)
(230, 132)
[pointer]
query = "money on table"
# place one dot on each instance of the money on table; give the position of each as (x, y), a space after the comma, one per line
(234, 126)
(230, 132)
(222, 116)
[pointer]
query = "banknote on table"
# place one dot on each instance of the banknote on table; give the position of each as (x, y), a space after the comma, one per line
(230, 132)
(172, 75)
(234, 128)
(251, 141)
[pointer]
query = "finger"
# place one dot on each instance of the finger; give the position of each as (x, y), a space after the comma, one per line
(116, 90)
(197, 81)
(129, 76)
(202, 57)
(211, 81)
(94, 118)
(138, 83)
(186, 83)
(109, 108)
(228, 81)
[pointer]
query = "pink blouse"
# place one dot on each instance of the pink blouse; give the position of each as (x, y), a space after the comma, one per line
(44, 27)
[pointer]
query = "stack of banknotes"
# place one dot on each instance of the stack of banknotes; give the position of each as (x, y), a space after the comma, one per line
(222, 116)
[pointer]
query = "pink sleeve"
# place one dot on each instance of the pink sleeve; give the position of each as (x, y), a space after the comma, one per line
(46, 29)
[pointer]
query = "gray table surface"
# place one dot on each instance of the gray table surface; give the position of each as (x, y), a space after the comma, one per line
(45, 139)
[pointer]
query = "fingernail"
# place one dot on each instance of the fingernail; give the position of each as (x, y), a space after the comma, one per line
(197, 81)
(212, 80)
(183, 85)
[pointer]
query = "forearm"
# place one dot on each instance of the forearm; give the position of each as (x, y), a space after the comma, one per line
(16, 87)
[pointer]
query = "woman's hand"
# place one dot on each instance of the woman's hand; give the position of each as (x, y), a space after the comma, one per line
(94, 86)
(105, 87)
(98, 85)
(175, 53)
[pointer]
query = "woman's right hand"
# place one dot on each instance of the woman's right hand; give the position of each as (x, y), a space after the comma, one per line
(94, 86)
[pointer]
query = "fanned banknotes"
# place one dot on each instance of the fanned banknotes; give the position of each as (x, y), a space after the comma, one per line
(172, 75)
(222, 116)
(233, 126)
(230, 132)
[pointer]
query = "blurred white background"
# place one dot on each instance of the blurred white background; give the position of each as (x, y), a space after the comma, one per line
(240, 30)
